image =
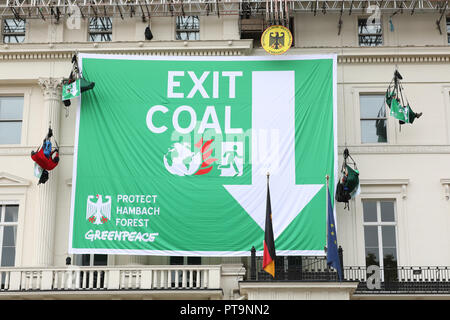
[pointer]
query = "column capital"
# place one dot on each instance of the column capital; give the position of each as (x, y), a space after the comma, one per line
(51, 87)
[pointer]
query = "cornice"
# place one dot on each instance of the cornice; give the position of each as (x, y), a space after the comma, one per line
(246, 286)
(395, 149)
(400, 58)
(9, 180)
(377, 55)
(62, 51)
(372, 185)
(346, 55)
(384, 182)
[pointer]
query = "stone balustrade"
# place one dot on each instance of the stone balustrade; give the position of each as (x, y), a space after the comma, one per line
(110, 278)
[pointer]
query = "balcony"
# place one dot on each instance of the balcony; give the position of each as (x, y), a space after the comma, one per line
(374, 281)
(296, 277)
(400, 280)
(160, 282)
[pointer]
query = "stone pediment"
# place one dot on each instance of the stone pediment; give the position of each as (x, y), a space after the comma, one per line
(9, 180)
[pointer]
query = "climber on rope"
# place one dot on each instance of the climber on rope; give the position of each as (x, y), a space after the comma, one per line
(403, 114)
(75, 81)
(45, 158)
(348, 185)
(396, 103)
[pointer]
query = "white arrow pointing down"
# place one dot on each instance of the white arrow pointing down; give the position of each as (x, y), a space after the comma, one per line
(273, 119)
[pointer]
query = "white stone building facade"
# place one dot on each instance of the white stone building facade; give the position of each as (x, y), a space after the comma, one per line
(403, 208)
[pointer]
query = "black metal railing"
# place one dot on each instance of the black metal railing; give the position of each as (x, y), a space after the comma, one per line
(372, 279)
(400, 279)
(298, 268)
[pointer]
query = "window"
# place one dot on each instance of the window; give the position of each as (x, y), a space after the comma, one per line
(369, 34)
(187, 28)
(13, 31)
(373, 118)
(11, 109)
(178, 260)
(379, 233)
(9, 214)
(252, 28)
(100, 29)
(91, 260)
(448, 30)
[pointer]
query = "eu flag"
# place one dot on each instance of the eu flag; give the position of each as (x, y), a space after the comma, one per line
(332, 249)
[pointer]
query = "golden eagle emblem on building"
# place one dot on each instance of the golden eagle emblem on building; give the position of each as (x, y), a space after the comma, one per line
(276, 39)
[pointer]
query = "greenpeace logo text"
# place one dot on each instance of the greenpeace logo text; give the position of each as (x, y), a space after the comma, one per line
(120, 236)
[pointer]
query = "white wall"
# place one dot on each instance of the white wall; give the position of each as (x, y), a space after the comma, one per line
(420, 152)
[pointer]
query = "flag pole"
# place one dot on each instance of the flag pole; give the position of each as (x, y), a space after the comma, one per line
(327, 177)
(269, 241)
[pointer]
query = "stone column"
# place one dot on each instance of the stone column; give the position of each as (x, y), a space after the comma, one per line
(46, 212)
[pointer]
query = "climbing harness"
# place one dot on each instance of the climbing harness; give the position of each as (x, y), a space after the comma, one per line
(45, 157)
(348, 185)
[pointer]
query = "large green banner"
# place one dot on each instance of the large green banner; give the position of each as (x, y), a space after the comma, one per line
(171, 154)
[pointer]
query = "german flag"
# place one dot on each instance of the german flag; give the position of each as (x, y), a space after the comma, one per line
(269, 242)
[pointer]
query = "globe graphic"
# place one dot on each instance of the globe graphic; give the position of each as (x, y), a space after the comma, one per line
(181, 161)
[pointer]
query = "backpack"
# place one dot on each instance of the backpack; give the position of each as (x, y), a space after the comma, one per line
(342, 194)
(348, 185)
(148, 34)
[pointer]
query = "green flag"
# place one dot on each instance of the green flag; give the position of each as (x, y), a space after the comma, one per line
(398, 111)
(171, 154)
(71, 90)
